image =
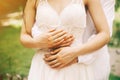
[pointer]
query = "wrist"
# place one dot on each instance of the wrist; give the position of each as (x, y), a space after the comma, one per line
(76, 52)
(80, 50)
(36, 43)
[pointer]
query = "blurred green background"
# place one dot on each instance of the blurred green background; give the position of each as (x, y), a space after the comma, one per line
(15, 59)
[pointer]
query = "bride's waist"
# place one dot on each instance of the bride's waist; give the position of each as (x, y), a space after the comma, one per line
(45, 50)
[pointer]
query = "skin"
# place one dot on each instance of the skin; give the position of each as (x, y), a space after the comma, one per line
(52, 39)
(65, 55)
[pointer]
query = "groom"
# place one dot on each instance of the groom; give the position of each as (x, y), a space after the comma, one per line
(108, 7)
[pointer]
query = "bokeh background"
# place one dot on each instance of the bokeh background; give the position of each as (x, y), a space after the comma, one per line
(15, 59)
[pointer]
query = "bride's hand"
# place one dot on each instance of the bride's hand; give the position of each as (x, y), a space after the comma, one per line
(53, 38)
(67, 40)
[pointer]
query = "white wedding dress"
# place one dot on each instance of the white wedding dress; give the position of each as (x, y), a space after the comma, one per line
(73, 20)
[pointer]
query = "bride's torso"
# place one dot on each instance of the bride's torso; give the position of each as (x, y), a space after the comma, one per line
(71, 19)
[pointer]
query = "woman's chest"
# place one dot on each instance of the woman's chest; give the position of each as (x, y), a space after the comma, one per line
(71, 14)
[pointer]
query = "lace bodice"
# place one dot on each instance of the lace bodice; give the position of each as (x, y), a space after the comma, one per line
(71, 19)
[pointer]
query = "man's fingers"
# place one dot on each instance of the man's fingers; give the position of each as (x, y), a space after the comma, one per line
(61, 66)
(56, 65)
(65, 65)
(55, 51)
(52, 62)
(50, 58)
(47, 55)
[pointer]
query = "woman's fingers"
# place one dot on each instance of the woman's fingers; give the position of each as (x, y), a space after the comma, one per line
(55, 32)
(52, 30)
(67, 42)
(63, 42)
(69, 36)
(59, 34)
(60, 38)
(56, 45)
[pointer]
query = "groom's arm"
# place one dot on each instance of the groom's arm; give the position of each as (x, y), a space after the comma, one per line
(87, 59)
(108, 8)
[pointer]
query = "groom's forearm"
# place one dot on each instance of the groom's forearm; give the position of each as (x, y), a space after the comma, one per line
(92, 45)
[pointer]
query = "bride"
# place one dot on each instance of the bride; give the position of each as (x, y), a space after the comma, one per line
(55, 28)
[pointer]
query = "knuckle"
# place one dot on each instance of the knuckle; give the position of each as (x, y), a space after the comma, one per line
(50, 64)
(49, 47)
(60, 60)
(49, 39)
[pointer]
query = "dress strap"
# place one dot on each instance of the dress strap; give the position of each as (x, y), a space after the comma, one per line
(79, 2)
(82, 3)
(76, 1)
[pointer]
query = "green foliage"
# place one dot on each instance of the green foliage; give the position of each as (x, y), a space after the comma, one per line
(117, 6)
(14, 58)
(117, 30)
(113, 77)
(115, 40)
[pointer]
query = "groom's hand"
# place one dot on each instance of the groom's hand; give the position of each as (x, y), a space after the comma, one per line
(58, 59)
